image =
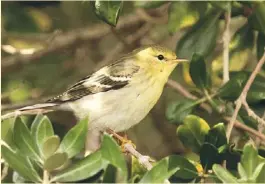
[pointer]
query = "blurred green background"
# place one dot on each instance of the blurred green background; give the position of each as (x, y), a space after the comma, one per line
(35, 25)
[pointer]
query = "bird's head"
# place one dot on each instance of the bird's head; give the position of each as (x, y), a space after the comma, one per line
(157, 60)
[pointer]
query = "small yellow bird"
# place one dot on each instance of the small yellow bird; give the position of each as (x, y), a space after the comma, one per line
(120, 95)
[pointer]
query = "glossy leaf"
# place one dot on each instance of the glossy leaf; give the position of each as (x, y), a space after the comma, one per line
(74, 141)
(209, 156)
(186, 171)
(198, 71)
(249, 159)
(180, 15)
(260, 45)
(223, 5)
(232, 89)
(259, 170)
(216, 135)
(20, 163)
(55, 161)
(41, 129)
(24, 141)
(201, 38)
(85, 168)
(108, 11)
(160, 172)
(7, 131)
(149, 4)
(165, 168)
(111, 153)
(242, 173)
(50, 146)
(110, 174)
(178, 110)
(261, 177)
(224, 175)
(257, 18)
(192, 133)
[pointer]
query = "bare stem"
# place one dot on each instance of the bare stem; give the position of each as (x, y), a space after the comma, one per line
(242, 98)
(226, 40)
(45, 177)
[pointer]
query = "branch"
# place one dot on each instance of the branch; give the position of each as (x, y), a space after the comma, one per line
(226, 40)
(144, 160)
(242, 98)
(237, 124)
(27, 112)
(252, 113)
(178, 87)
(68, 39)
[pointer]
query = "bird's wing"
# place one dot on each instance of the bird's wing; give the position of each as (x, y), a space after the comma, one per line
(112, 77)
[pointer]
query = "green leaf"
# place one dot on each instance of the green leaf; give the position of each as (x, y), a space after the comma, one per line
(216, 135)
(111, 152)
(108, 11)
(242, 172)
(261, 176)
(179, 15)
(85, 168)
(110, 174)
(165, 168)
(186, 171)
(24, 141)
(192, 133)
(7, 131)
(178, 110)
(148, 4)
(257, 18)
(224, 175)
(41, 129)
(260, 45)
(209, 156)
(249, 159)
(55, 161)
(233, 88)
(223, 5)
(258, 171)
(198, 71)
(160, 172)
(74, 141)
(50, 146)
(20, 163)
(201, 38)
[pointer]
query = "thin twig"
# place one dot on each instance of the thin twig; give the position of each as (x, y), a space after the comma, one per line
(45, 179)
(260, 129)
(18, 113)
(178, 87)
(243, 96)
(226, 40)
(237, 124)
(144, 160)
(252, 114)
(4, 171)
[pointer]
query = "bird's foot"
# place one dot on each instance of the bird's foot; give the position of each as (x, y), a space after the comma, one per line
(122, 140)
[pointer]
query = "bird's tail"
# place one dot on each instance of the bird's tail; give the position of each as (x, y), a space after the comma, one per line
(32, 109)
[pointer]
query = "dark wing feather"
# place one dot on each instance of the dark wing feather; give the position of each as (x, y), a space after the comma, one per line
(99, 82)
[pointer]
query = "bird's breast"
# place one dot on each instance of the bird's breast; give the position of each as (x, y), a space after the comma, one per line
(119, 109)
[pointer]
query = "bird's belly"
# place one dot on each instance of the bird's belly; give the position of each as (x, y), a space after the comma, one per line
(117, 109)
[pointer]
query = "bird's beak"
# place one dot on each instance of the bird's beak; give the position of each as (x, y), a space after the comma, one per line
(174, 61)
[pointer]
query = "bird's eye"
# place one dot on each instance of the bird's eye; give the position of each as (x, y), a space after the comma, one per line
(160, 57)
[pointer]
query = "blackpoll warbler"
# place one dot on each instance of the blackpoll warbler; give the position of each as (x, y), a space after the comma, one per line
(121, 94)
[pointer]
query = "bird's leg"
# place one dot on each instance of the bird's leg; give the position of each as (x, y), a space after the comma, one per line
(121, 139)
